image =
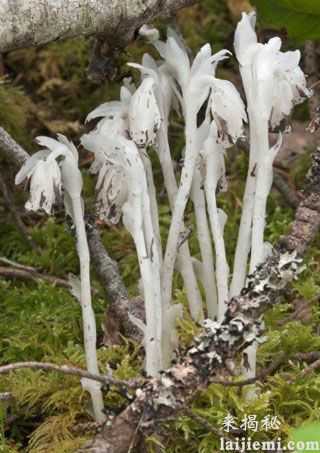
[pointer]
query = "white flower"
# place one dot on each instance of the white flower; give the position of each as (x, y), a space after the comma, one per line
(198, 84)
(121, 176)
(136, 115)
(144, 114)
(112, 190)
(47, 175)
(195, 79)
(228, 111)
(163, 83)
(273, 79)
(114, 114)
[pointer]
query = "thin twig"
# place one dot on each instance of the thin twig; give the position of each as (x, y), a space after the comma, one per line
(12, 263)
(16, 273)
(274, 366)
(314, 366)
(45, 366)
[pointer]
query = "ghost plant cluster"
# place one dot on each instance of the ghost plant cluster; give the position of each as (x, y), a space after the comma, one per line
(214, 116)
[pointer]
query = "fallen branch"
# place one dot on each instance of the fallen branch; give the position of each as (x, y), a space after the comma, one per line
(106, 380)
(221, 342)
(32, 23)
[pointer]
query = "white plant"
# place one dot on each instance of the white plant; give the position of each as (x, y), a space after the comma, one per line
(214, 116)
(165, 98)
(123, 190)
(273, 83)
(193, 85)
(52, 170)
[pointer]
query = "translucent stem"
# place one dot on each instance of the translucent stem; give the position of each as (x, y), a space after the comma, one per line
(180, 205)
(244, 235)
(222, 268)
(184, 259)
(204, 238)
(153, 200)
(88, 318)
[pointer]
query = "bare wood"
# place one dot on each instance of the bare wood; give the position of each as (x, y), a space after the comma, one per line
(10, 147)
(33, 23)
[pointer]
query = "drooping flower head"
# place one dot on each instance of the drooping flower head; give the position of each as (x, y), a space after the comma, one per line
(136, 115)
(49, 170)
(273, 80)
(121, 179)
(196, 84)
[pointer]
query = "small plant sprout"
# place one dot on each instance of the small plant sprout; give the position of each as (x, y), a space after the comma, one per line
(273, 84)
(51, 171)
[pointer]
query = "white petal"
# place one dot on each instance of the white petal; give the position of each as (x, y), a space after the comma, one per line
(144, 114)
(108, 109)
(176, 58)
(245, 38)
(69, 144)
(57, 149)
(228, 106)
(45, 184)
(28, 167)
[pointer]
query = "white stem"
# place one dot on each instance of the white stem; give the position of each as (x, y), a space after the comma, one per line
(263, 186)
(153, 200)
(250, 393)
(150, 273)
(259, 145)
(222, 268)
(184, 259)
(180, 204)
(204, 238)
(88, 318)
(245, 230)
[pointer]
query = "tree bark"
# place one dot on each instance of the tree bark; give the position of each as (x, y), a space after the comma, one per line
(26, 23)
